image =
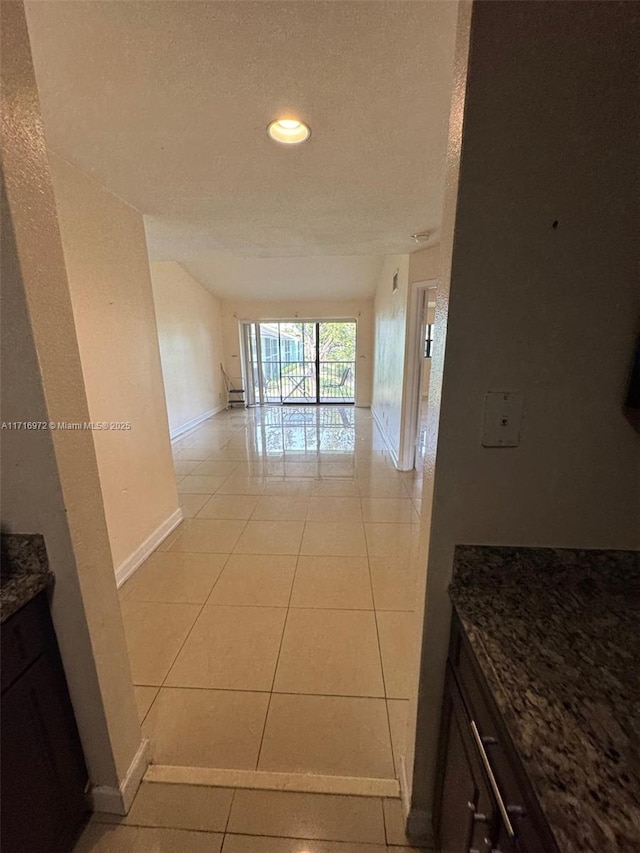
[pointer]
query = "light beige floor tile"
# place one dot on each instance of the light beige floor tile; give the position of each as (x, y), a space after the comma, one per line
(414, 488)
(418, 505)
(104, 838)
(301, 469)
(184, 467)
(339, 470)
(385, 510)
(310, 455)
(216, 468)
(341, 583)
(392, 848)
(144, 699)
(243, 486)
(225, 454)
(188, 454)
(192, 504)
(262, 844)
(193, 485)
(309, 816)
(206, 728)
(230, 648)
(281, 508)
(270, 537)
(394, 823)
(394, 583)
(333, 539)
(330, 652)
(171, 538)
(289, 487)
(256, 579)
(155, 632)
(260, 467)
(335, 735)
(176, 577)
(180, 806)
(382, 487)
(209, 535)
(334, 509)
(347, 488)
(398, 646)
(377, 469)
(391, 540)
(398, 710)
(229, 506)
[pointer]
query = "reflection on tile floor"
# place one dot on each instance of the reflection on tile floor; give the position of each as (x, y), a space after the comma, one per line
(275, 629)
(194, 819)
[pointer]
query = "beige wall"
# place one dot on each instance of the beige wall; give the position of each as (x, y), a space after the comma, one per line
(538, 149)
(390, 318)
(108, 271)
(394, 355)
(189, 320)
(361, 311)
(424, 265)
(50, 481)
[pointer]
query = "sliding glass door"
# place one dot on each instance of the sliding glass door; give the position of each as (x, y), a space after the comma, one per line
(300, 362)
(336, 362)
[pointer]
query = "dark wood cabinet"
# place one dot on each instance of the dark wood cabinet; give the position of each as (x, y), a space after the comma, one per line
(42, 765)
(484, 802)
(466, 807)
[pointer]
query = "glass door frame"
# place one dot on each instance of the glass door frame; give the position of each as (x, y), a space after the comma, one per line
(253, 368)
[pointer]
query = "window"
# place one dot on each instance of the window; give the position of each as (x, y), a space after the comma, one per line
(428, 340)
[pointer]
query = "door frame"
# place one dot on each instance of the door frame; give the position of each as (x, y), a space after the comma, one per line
(246, 362)
(413, 367)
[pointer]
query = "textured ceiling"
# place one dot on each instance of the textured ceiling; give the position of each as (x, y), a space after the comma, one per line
(333, 277)
(167, 104)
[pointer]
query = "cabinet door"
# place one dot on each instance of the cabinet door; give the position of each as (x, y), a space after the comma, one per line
(505, 844)
(464, 806)
(43, 772)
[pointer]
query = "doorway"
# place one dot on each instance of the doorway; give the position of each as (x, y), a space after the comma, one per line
(419, 349)
(300, 362)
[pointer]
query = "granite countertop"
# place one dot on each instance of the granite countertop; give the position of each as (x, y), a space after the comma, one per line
(556, 634)
(24, 571)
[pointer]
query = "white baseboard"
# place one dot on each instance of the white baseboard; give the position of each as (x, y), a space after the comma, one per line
(405, 793)
(383, 432)
(135, 560)
(118, 800)
(180, 432)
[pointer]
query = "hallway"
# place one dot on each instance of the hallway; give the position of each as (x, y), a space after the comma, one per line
(275, 629)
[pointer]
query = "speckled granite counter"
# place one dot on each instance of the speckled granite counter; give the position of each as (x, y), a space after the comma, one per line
(556, 634)
(24, 571)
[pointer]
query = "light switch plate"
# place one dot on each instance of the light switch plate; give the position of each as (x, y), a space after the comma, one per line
(502, 418)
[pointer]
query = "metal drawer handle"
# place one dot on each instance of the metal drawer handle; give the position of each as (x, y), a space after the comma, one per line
(504, 812)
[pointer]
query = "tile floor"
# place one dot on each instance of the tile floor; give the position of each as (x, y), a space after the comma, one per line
(275, 628)
(192, 819)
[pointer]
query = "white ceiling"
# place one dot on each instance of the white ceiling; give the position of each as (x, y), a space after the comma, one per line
(167, 104)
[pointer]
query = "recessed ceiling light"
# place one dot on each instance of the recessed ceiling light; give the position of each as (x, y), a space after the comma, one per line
(421, 236)
(289, 131)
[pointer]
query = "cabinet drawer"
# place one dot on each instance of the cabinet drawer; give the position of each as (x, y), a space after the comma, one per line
(25, 635)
